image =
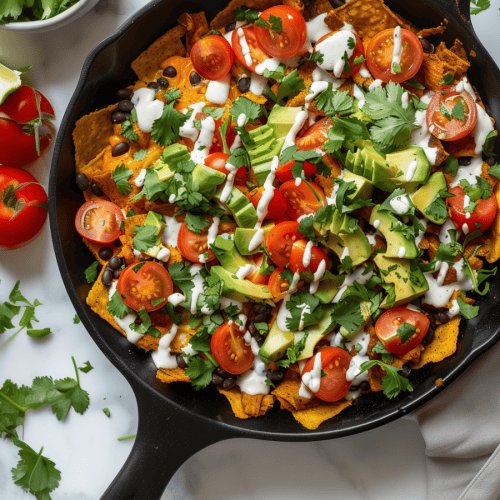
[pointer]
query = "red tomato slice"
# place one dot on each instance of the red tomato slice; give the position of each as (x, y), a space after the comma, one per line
(292, 38)
(389, 322)
(484, 213)
(315, 136)
(277, 206)
(217, 146)
(140, 284)
(230, 349)
(256, 277)
(279, 241)
(277, 285)
(217, 161)
(212, 57)
(304, 199)
(257, 55)
(21, 193)
(328, 42)
(99, 221)
(192, 245)
(297, 257)
(284, 171)
(380, 50)
(335, 363)
(283, 218)
(448, 128)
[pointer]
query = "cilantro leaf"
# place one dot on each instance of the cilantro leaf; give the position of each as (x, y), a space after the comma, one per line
(16, 296)
(291, 85)
(347, 313)
(121, 175)
(145, 237)
(86, 367)
(495, 170)
(468, 311)
(478, 6)
(245, 15)
(245, 106)
(38, 334)
(304, 311)
(447, 79)
(140, 155)
(405, 332)
(196, 222)
(293, 352)
(306, 227)
(458, 110)
(392, 382)
(166, 128)
(380, 349)
(117, 307)
(76, 319)
(333, 102)
(183, 279)
(488, 143)
(273, 25)
(277, 74)
(172, 95)
(200, 372)
(128, 130)
(315, 57)
(91, 272)
(215, 113)
(412, 82)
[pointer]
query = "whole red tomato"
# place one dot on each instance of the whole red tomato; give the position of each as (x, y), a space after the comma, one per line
(26, 127)
(22, 207)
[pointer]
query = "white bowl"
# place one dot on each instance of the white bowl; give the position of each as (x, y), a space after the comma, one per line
(62, 19)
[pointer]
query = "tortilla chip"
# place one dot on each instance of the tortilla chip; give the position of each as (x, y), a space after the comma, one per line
(90, 169)
(318, 7)
(167, 376)
(287, 393)
(454, 59)
(256, 405)
(108, 186)
(196, 26)
(170, 44)
(431, 31)
(443, 345)
(225, 17)
(375, 375)
(490, 242)
(432, 70)
(131, 222)
(95, 247)
(91, 135)
(412, 355)
(296, 4)
(181, 339)
(311, 418)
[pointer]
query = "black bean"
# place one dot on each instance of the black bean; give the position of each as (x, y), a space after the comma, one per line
(365, 386)
(115, 263)
(252, 329)
(126, 106)
(490, 160)
(82, 181)
(117, 273)
(223, 373)
(429, 336)
(427, 46)
(464, 161)
(260, 342)
(432, 320)
(217, 379)
(117, 243)
(261, 318)
(106, 253)
(120, 149)
(229, 383)
(257, 307)
(275, 375)
(118, 116)
(154, 85)
(162, 82)
(124, 94)
(405, 372)
(107, 277)
(194, 79)
(96, 189)
(170, 72)
(244, 84)
(443, 317)
(337, 3)
(181, 361)
(231, 26)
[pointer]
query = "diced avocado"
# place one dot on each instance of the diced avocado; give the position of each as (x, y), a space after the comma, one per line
(229, 257)
(243, 237)
(395, 240)
(408, 284)
(208, 179)
(276, 343)
(242, 290)
(316, 333)
(357, 243)
(428, 194)
(281, 119)
(246, 217)
(415, 158)
(383, 176)
(365, 312)
(265, 145)
(327, 289)
(155, 219)
(174, 154)
(262, 171)
(240, 206)
(364, 187)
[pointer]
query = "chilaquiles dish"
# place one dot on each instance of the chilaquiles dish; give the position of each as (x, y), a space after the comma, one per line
(291, 203)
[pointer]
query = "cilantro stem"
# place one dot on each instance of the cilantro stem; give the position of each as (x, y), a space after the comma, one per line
(126, 437)
(76, 371)
(12, 337)
(12, 403)
(210, 357)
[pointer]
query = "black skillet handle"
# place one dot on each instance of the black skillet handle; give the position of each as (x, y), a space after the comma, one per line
(165, 440)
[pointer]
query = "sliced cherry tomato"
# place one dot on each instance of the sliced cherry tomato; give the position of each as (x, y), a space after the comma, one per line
(297, 257)
(22, 207)
(277, 206)
(335, 363)
(314, 136)
(230, 349)
(292, 37)
(141, 283)
(484, 213)
(192, 245)
(279, 241)
(256, 277)
(283, 218)
(218, 146)
(304, 199)
(255, 55)
(99, 221)
(284, 171)
(379, 56)
(212, 57)
(330, 43)
(277, 285)
(451, 128)
(388, 323)
(217, 161)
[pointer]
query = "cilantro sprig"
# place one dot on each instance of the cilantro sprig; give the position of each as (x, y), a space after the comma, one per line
(392, 383)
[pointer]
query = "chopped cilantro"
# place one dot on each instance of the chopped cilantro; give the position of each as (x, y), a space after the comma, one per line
(405, 332)
(277, 74)
(145, 237)
(196, 222)
(380, 349)
(293, 352)
(166, 128)
(140, 155)
(334, 102)
(291, 85)
(468, 311)
(121, 175)
(91, 272)
(172, 95)
(245, 106)
(200, 372)
(128, 131)
(447, 79)
(117, 307)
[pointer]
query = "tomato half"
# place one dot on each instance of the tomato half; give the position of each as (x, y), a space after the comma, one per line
(192, 245)
(21, 193)
(335, 363)
(484, 213)
(256, 277)
(314, 136)
(304, 199)
(99, 221)
(217, 161)
(284, 171)
(212, 57)
(316, 255)
(217, 145)
(140, 284)
(277, 206)
(379, 54)
(255, 55)
(449, 128)
(277, 285)
(389, 322)
(292, 38)
(230, 349)
(279, 241)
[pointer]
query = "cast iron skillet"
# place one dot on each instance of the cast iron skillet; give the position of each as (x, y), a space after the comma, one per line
(174, 421)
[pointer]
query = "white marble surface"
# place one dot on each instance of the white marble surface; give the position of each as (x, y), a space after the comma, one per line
(387, 463)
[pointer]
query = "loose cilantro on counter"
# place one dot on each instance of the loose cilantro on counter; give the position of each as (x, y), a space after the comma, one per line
(478, 6)
(86, 367)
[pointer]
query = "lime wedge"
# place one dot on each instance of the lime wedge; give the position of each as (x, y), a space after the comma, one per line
(10, 81)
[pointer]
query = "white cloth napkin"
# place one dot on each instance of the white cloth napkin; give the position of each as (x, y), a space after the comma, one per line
(461, 430)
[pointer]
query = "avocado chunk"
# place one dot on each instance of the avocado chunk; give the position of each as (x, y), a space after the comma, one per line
(262, 171)
(264, 146)
(243, 237)
(414, 165)
(173, 154)
(428, 201)
(316, 333)
(208, 179)
(366, 313)
(397, 245)
(156, 220)
(408, 284)
(357, 243)
(328, 289)
(276, 343)
(227, 254)
(364, 187)
(281, 119)
(242, 290)
(240, 206)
